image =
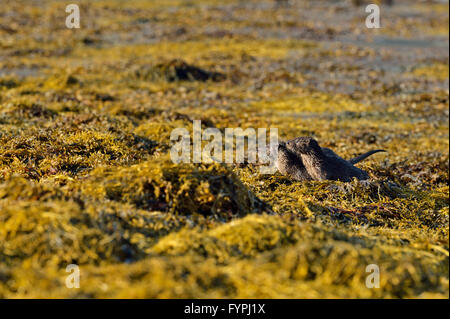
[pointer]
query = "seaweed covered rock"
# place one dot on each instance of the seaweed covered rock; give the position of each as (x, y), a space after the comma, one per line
(35, 153)
(184, 189)
(45, 233)
(326, 262)
(178, 70)
(240, 238)
(42, 224)
(85, 132)
(368, 190)
(8, 83)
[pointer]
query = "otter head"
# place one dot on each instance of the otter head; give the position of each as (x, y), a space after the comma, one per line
(290, 163)
(286, 160)
(304, 145)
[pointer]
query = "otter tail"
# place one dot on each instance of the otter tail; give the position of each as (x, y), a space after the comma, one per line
(364, 156)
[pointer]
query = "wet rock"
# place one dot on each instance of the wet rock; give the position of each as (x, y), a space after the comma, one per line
(178, 70)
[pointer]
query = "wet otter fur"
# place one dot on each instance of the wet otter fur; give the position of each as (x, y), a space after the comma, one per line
(303, 159)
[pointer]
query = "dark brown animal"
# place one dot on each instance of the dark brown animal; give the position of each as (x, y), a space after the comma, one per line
(303, 159)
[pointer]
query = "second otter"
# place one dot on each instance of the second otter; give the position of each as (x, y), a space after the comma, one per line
(303, 159)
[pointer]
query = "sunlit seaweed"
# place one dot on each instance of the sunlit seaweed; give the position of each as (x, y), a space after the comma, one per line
(86, 177)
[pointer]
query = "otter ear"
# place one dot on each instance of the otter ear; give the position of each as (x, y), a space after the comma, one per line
(314, 143)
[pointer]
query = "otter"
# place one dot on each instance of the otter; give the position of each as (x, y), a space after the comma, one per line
(303, 159)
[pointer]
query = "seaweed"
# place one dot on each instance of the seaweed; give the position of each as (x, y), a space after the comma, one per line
(86, 176)
(178, 70)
